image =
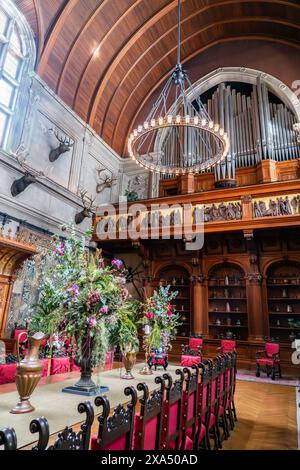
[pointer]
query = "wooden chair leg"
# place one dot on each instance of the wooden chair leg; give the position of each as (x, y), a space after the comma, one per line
(257, 370)
(233, 409)
(230, 418)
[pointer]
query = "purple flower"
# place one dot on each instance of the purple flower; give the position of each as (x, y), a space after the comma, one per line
(104, 310)
(60, 249)
(74, 290)
(92, 321)
(117, 263)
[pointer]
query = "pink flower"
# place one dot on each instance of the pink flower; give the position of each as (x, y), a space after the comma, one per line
(117, 263)
(92, 321)
(124, 293)
(169, 313)
(104, 310)
(60, 249)
(93, 299)
(74, 290)
(170, 306)
(149, 315)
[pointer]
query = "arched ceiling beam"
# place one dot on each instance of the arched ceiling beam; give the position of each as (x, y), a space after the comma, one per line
(92, 58)
(170, 51)
(146, 26)
(56, 31)
(72, 49)
(274, 39)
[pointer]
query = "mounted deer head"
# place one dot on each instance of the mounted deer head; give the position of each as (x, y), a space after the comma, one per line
(65, 145)
(88, 207)
(29, 177)
(104, 182)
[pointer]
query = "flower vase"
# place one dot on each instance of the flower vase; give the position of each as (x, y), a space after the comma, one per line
(129, 360)
(85, 385)
(29, 372)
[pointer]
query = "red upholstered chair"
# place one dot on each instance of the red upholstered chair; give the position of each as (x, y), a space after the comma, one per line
(21, 337)
(158, 358)
(203, 413)
(227, 345)
(191, 352)
(268, 360)
(222, 363)
(230, 380)
(189, 408)
(115, 432)
(172, 406)
(148, 423)
(212, 426)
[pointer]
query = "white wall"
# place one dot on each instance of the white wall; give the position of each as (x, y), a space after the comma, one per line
(55, 199)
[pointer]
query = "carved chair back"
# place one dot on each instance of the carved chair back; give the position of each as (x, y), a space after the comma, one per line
(67, 439)
(8, 439)
(172, 406)
(148, 422)
(190, 405)
(115, 432)
(203, 413)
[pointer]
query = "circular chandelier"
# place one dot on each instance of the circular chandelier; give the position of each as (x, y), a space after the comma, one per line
(178, 136)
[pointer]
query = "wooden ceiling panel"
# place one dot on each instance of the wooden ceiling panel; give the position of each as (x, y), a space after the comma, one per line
(107, 59)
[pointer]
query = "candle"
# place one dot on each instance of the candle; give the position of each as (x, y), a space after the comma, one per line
(147, 329)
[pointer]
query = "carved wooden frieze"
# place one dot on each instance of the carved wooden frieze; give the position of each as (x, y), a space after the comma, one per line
(277, 206)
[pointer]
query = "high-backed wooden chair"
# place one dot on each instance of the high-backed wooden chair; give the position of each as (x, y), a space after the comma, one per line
(191, 352)
(222, 363)
(148, 422)
(67, 439)
(268, 360)
(189, 408)
(115, 432)
(172, 410)
(203, 412)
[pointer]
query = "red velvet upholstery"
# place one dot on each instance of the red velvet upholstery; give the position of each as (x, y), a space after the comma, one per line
(173, 418)
(150, 433)
(271, 348)
(188, 361)
(195, 343)
(266, 361)
(60, 365)
(22, 334)
(118, 444)
(45, 370)
(227, 345)
(7, 373)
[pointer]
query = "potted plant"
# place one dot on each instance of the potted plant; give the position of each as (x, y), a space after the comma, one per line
(80, 297)
(125, 334)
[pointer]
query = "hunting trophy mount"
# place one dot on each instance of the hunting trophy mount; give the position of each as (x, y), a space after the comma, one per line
(65, 144)
(30, 174)
(105, 180)
(88, 208)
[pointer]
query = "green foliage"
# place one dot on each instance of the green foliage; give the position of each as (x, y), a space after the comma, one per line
(82, 297)
(125, 333)
(160, 316)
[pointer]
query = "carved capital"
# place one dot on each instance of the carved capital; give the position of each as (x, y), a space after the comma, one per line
(199, 278)
(254, 278)
(246, 198)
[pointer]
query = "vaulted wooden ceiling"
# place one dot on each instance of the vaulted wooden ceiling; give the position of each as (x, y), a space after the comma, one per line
(105, 58)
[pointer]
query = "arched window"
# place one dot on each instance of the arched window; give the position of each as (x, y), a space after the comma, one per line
(17, 58)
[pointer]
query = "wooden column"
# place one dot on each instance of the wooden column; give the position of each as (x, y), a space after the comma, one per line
(255, 306)
(200, 320)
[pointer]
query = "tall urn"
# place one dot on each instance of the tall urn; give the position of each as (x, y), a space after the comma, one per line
(29, 372)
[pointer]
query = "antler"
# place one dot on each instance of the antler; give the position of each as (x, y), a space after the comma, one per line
(21, 158)
(87, 200)
(63, 140)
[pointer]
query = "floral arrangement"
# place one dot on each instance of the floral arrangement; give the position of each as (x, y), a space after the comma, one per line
(81, 297)
(161, 318)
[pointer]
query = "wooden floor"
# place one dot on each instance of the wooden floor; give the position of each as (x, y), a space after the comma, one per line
(266, 418)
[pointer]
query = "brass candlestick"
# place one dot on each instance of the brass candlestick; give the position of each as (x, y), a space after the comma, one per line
(145, 370)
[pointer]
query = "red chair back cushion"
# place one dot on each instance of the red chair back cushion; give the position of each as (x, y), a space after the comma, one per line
(118, 444)
(195, 343)
(149, 435)
(271, 348)
(228, 345)
(21, 334)
(173, 413)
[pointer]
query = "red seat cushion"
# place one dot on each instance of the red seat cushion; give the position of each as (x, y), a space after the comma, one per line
(265, 361)
(117, 444)
(188, 361)
(212, 420)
